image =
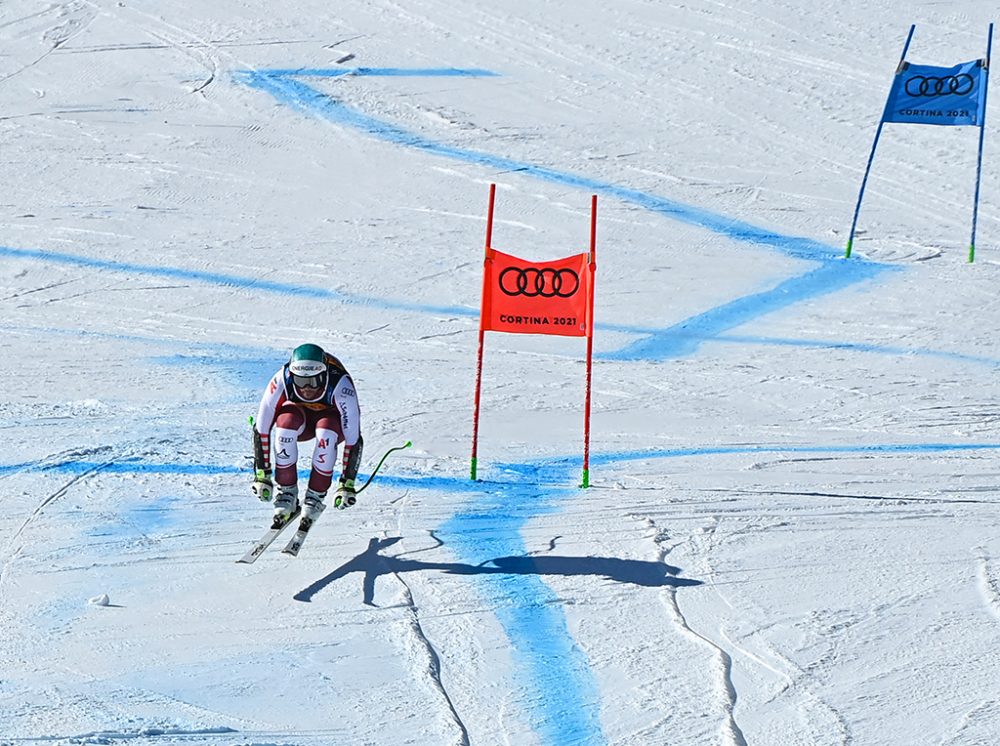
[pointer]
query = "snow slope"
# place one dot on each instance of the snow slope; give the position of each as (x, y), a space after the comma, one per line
(791, 537)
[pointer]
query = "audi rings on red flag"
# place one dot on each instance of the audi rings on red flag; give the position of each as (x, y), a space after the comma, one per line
(535, 282)
(537, 297)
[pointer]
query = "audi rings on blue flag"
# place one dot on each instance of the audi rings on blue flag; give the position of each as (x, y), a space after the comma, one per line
(951, 96)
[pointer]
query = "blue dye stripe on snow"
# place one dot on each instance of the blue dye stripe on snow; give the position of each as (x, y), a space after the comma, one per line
(543, 647)
(126, 466)
(552, 662)
(391, 72)
(685, 337)
(297, 95)
(835, 274)
(245, 360)
(556, 689)
(886, 448)
(655, 344)
(233, 281)
(547, 474)
(829, 344)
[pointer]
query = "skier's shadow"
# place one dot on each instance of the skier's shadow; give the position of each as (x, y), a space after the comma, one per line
(370, 564)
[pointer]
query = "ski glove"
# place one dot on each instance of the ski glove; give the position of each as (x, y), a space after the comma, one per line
(262, 486)
(345, 496)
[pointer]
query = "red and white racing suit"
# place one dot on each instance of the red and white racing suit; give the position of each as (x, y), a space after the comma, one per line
(330, 418)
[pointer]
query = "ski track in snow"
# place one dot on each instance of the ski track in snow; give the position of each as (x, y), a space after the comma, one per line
(816, 712)
(73, 22)
(987, 583)
(55, 462)
(731, 732)
(433, 661)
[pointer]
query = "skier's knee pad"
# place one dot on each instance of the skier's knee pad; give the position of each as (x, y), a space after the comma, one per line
(286, 449)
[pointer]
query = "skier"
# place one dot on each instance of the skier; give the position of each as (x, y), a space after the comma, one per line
(311, 396)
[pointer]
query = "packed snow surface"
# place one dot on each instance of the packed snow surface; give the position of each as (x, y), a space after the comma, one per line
(792, 534)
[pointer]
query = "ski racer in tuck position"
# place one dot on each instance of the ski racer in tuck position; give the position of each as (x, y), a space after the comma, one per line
(311, 396)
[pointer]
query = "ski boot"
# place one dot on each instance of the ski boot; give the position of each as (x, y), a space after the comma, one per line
(286, 504)
(313, 505)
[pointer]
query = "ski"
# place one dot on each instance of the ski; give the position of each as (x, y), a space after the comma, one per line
(266, 540)
(295, 543)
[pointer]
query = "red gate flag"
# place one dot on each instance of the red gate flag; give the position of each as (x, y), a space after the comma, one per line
(525, 297)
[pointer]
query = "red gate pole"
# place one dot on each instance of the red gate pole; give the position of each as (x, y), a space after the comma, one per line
(590, 338)
(488, 252)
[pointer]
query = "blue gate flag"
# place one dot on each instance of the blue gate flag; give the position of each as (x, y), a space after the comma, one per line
(951, 96)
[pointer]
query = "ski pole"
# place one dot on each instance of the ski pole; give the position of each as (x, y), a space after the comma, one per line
(407, 444)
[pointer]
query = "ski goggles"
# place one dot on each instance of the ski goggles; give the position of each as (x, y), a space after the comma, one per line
(308, 382)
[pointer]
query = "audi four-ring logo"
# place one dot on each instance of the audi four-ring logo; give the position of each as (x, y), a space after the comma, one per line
(544, 283)
(959, 85)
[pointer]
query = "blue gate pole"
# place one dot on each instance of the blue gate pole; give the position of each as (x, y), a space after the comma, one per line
(979, 158)
(871, 156)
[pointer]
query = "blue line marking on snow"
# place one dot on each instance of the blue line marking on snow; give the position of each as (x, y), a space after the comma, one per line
(885, 448)
(222, 280)
(141, 518)
(680, 339)
(550, 474)
(125, 466)
(829, 344)
(251, 366)
(684, 338)
(834, 274)
(392, 72)
(550, 661)
(297, 95)
(544, 650)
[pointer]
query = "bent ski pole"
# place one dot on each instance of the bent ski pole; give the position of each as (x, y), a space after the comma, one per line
(407, 444)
